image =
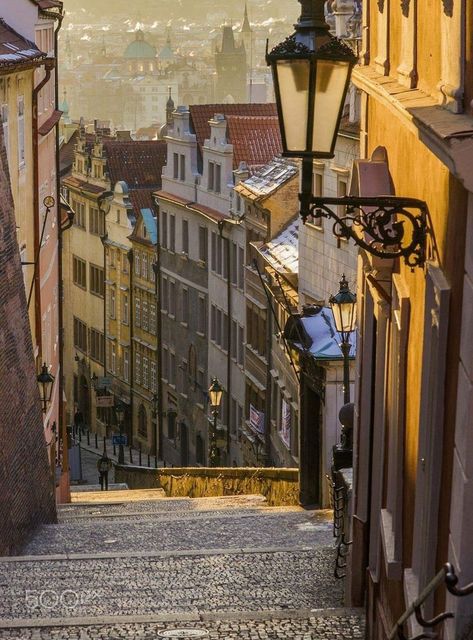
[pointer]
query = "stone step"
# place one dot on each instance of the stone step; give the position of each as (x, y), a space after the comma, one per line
(116, 496)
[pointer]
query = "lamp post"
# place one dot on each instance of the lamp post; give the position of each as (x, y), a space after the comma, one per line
(343, 306)
(311, 71)
(120, 413)
(45, 381)
(215, 395)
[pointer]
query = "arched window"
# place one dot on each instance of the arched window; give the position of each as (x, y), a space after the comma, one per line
(199, 449)
(142, 422)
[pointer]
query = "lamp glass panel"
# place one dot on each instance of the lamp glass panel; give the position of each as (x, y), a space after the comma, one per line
(344, 316)
(330, 85)
(215, 398)
(293, 78)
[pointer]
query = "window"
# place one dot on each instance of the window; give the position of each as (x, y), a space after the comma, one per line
(175, 173)
(137, 311)
(79, 210)
(145, 371)
(137, 375)
(79, 272)
(152, 318)
(125, 311)
(172, 368)
(154, 378)
(201, 316)
(234, 264)
(211, 177)
(172, 298)
(124, 258)
(164, 230)
(80, 335)
(241, 268)
(118, 216)
(21, 131)
(152, 266)
(234, 340)
(144, 266)
(97, 284)
(126, 365)
(172, 414)
(142, 422)
(185, 237)
(241, 345)
(218, 178)
(4, 113)
(213, 251)
(137, 263)
(144, 316)
(97, 346)
(112, 310)
(164, 294)
(172, 233)
(203, 244)
(185, 305)
(213, 323)
(96, 221)
(113, 357)
(165, 364)
(183, 168)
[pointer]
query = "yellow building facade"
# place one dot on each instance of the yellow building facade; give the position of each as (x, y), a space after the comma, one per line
(416, 132)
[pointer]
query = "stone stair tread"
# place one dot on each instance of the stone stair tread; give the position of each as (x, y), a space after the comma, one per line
(118, 495)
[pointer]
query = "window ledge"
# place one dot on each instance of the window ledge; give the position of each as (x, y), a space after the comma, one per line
(392, 565)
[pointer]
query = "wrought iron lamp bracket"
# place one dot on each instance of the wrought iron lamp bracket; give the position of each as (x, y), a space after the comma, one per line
(386, 227)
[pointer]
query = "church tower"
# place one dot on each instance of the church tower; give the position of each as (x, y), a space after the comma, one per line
(248, 38)
(230, 61)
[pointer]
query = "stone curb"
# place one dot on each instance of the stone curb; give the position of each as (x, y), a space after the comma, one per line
(280, 614)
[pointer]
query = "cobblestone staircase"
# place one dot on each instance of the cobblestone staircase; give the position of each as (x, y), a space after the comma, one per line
(138, 565)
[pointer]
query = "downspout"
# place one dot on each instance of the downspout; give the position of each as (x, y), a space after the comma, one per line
(36, 231)
(62, 404)
(159, 333)
(132, 350)
(221, 224)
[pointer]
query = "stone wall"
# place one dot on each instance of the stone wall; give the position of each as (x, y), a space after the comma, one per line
(26, 486)
(279, 486)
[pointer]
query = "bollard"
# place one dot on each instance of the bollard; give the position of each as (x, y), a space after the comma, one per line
(139, 456)
(88, 437)
(96, 441)
(131, 456)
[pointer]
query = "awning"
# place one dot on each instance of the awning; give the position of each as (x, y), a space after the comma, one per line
(50, 123)
(316, 335)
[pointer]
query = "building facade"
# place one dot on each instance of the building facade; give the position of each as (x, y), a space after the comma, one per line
(413, 490)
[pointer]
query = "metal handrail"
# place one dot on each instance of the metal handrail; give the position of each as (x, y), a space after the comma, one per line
(446, 575)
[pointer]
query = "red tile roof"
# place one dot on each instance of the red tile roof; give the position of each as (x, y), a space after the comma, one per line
(256, 139)
(15, 49)
(75, 183)
(201, 114)
(138, 163)
(142, 199)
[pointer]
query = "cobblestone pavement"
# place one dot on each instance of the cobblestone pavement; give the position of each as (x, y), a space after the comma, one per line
(231, 567)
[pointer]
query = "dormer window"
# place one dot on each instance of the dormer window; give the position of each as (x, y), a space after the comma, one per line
(211, 177)
(214, 177)
(176, 166)
(218, 178)
(183, 168)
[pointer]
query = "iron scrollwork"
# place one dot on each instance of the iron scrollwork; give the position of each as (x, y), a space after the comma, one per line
(386, 227)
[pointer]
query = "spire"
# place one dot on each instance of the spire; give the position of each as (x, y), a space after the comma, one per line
(246, 27)
(169, 108)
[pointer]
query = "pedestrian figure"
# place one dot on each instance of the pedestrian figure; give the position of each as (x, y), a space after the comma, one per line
(78, 422)
(104, 464)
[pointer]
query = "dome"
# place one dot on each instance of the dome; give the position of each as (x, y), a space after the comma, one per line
(139, 49)
(166, 52)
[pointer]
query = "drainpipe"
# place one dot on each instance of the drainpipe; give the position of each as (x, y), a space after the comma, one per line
(132, 350)
(49, 66)
(221, 225)
(159, 333)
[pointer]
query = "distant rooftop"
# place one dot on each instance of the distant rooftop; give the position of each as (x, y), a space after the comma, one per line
(15, 49)
(268, 179)
(255, 139)
(282, 252)
(139, 163)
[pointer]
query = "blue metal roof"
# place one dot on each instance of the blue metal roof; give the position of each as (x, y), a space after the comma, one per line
(322, 336)
(150, 224)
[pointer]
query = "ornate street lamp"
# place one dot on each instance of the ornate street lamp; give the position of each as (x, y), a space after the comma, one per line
(215, 395)
(343, 307)
(46, 382)
(311, 72)
(120, 413)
